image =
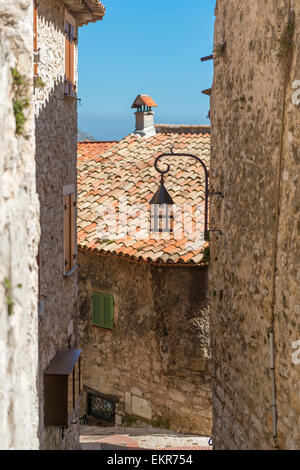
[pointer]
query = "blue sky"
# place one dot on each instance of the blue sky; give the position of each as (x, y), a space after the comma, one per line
(145, 46)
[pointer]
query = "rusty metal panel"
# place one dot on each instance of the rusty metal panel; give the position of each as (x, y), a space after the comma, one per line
(56, 400)
(63, 362)
(62, 387)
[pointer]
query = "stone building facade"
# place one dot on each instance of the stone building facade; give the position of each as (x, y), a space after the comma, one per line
(155, 363)
(56, 25)
(143, 311)
(255, 262)
(19, 233)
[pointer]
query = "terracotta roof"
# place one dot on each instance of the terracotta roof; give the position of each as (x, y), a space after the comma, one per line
(181, 129)
(86, 11)
(89, 150)
(144, 100)
(126, 172)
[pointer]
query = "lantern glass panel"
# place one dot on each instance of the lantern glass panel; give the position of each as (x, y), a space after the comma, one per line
(162, 220)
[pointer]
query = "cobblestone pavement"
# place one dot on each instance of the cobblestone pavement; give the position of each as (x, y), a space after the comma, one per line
(118, 438)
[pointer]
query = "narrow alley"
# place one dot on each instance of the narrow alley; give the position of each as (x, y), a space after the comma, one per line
(121, 438)
(149, 228)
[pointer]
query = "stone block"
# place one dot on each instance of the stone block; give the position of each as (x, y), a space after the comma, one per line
(128, 407)
(118, 420)
(141, 407)
(176, 396)
(136, 391)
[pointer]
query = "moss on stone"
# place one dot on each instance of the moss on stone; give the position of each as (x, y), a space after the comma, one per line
(161, 422)
(20, 99)
(8, 296)
(206, 255)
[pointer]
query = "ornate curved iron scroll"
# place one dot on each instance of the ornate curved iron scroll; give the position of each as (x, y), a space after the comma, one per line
(168, 167)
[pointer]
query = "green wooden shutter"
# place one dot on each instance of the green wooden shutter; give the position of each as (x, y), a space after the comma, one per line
(108, 311)
(103, 311)
(97, 309)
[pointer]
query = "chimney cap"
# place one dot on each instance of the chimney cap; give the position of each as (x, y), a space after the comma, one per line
(144, 100)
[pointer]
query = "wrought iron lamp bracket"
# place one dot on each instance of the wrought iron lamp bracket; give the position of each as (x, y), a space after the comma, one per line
(64, 428)
(216, 193)
(202, 163)
(163, 172)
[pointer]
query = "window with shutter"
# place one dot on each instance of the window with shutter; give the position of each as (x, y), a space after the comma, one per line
(67, 233)
(69, 59)
(72, 59)
(103, 310)
(70, 248)
(96, 309)
(73, 250)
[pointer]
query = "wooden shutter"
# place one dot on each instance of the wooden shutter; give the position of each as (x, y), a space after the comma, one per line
(35, 40)
(72, 60)
(70, 247)
(67, 233)
(97, 309)
(73, 246)
(108, 312)
(103, 311)
(67, 58)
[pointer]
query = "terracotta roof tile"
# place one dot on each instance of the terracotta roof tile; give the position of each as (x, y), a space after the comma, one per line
(144, 100)
(87, 150)
(109, 172)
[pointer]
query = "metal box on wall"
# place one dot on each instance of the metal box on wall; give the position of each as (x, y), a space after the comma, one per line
(62, 387)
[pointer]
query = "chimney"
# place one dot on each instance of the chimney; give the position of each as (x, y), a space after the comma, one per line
(144, 116)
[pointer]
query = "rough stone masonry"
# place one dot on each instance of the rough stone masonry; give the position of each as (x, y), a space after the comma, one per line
(19, 234)
(56, 139)
(156, 360)
(255, 262)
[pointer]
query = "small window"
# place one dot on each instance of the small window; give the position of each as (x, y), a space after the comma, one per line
(101, 408)
(103, 310)
(70, 249)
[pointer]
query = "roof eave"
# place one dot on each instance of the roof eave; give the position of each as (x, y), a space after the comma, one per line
(86, 11)
(180, 263)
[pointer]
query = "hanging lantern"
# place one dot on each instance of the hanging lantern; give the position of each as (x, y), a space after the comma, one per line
(162, 218)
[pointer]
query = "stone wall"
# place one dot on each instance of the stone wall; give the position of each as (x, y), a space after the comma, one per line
(156, 361)
(19, 234)
(56, 137)
(255, 268)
